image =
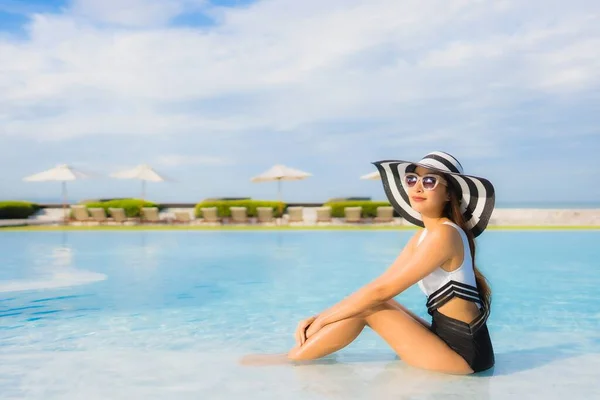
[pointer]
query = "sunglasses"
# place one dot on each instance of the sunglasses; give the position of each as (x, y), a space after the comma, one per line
(429, 181)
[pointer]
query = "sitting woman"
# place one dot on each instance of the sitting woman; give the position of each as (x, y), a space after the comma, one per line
(453, 208)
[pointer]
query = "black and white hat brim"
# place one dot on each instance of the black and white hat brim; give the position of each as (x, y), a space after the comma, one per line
(478, 194)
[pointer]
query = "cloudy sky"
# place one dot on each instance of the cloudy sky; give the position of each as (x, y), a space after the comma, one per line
(212, 93)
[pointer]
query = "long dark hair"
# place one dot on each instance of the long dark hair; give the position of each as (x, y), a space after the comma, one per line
(453, 213)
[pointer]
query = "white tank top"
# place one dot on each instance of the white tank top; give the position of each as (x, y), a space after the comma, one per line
(440, 285)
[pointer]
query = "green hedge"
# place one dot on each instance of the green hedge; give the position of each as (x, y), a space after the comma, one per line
(17, 209)
(132, 207)
(251, 205)
(369, 208)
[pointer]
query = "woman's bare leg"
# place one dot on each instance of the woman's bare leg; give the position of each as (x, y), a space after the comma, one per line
(410, 338)
(399, 306)
(329, 339)
(414, 343)
(340, 334)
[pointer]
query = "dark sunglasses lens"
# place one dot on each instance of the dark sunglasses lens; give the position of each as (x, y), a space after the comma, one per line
(410, 180)
(429, 182)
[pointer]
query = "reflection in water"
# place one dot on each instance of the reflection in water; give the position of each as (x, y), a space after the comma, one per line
(356, 375)
(55, 269)
(146, 255)
(62, 257)
(393, 379)
(64, 238)
(421, 384)
(335, 381)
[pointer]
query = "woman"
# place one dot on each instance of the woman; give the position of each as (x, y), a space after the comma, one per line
(453, 208)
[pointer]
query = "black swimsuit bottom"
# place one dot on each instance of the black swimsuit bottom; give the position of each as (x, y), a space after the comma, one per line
(474, 345)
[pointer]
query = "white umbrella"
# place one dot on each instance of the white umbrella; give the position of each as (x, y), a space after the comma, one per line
(281, 173)
(61, 173)
(373, 175)
(142, 172)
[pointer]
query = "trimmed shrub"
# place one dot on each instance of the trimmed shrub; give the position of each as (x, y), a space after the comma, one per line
(132, 207)
(369, 208)
(251, 205)
(17, 209)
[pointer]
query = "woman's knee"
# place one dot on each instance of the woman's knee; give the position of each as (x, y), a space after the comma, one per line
(295, 354)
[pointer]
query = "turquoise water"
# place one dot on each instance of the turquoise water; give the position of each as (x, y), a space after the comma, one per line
(167, 314)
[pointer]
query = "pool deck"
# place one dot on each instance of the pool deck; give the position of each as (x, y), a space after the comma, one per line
(501, 219)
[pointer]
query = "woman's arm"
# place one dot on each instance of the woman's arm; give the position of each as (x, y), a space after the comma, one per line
(435, 249)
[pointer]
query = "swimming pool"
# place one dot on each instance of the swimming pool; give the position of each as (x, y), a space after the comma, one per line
(167, 314)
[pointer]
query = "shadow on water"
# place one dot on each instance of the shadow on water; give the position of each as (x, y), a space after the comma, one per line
(507, 363)
(380, 376)
(513, 362)
(348, 375)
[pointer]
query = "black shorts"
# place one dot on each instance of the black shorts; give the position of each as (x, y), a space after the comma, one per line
(474, 346)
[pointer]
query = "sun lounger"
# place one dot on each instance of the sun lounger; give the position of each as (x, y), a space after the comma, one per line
(209, 215)
(295, 214)
(80, 214)
(182, 217)
(384, 214)
(99, 215)
(150, 215)
(323, 214)
(265, 214)
(118, 215)
(352, 214)
(238, 215)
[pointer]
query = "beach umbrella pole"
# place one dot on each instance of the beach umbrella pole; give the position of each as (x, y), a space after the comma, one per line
(64, 196)
(279, 196)
(279, 190)
(143, 197)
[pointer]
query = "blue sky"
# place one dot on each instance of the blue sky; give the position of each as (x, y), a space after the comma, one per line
(212, 93)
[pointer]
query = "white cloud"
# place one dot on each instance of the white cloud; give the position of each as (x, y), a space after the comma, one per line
(108, 67)
(460, 53)
(176, 160)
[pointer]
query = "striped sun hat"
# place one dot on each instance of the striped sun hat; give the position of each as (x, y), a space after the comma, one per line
(478, 197)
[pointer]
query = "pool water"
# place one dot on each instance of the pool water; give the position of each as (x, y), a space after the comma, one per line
(168, 314)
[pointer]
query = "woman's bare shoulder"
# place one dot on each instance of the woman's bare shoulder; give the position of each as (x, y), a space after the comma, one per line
(445, 233)
(414, 239)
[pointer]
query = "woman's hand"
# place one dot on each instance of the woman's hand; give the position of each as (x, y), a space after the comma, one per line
(314, 327)
(301, 330)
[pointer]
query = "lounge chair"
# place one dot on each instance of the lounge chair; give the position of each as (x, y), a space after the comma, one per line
(182, 217)
(323, 214)
(99, 214)
(295, 214)
(80, 214)
(238, 215)
(352, 214)
(118, 215)
(384, 214)
(265, 214)
(150, 214)
(209, 214)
